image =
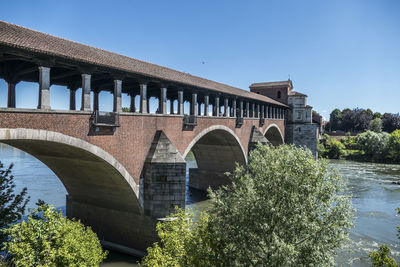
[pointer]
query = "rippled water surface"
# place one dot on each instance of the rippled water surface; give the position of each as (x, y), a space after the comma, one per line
(374, 196)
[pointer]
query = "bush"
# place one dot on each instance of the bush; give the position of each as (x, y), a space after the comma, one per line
(374, 145)
(283, 209)
(376, 125)
(334, 149)
(52, 241)
(350, 142)
(394, 146)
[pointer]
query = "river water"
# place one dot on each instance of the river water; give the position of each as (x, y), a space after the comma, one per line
(375, 198)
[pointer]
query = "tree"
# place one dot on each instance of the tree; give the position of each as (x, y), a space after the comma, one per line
(391, 122)
(12, 205)
(184, 242)
(394, 146)
(377, 115)
(52, 240)
(374, 145)
(283, 209)
(376, 125)
(348, 120)
(335, 119)
(334, 149)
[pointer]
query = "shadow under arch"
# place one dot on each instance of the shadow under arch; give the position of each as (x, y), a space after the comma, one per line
(217, 150)
(274, 135)
(101, 192)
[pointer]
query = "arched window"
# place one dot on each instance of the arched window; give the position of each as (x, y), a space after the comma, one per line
(279, 94)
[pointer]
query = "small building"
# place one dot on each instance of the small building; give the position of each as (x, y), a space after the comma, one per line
(300, 128)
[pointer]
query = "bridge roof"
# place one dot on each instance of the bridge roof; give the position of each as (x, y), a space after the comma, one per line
(44, 44)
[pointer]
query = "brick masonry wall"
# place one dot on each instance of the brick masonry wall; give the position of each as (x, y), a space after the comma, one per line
(131, 142)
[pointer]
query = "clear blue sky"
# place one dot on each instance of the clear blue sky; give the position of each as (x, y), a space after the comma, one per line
(343, 53)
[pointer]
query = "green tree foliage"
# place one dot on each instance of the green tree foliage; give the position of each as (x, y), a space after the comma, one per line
(52, 240)
(374, 145)
(391, 122)
(335, 119)
(376, 125)
(12, 205)
(360, 120)
(333, 148)
(283, 209)
(184, 242)
(394, 146)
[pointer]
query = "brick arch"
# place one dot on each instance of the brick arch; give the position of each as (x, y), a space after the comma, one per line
(213, 128)
(217, 149)
(89, 174)
(274, 134)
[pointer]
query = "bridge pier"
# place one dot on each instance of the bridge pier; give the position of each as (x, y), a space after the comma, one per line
(164, 178)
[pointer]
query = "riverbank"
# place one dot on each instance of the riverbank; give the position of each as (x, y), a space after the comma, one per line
(365, 147)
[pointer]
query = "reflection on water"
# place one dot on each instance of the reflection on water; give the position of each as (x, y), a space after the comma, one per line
(374, 196)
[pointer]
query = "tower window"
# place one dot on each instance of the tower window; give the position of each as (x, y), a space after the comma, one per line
(279, 94)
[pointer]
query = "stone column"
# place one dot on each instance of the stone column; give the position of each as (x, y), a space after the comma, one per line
(283, 114)
(180, 103)
(258, 111)
(171, 106)
(72, 99)
(193, 107)
(262, 115)
(241, 108)
(216, 106)
(44, 88)
(226, 108)
(117, 107)
(234, 108)
(96, 100)
(132, 104)
(199, 108)
(247, 109)
(253, 110)
(162, 102)
(265, 111)
(206, 105)
(86, 92)
(11, 94)
(143, 98)
(273, 113)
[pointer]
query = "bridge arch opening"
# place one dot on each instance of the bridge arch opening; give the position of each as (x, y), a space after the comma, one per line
(274, 135)
(101, 192)
(216, 151)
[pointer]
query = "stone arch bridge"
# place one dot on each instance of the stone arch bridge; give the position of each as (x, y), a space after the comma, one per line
(124, 170)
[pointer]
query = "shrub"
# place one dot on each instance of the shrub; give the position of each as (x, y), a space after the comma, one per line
(374, 145)
(394, 146)
(334, 149)
(52, 240)
(376, 125)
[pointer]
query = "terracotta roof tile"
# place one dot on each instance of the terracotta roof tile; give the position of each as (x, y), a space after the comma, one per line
(26, 39)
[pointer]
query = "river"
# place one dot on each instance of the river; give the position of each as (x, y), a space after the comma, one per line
(374, 197)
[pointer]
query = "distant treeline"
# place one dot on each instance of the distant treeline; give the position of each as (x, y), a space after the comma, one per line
(360, 120)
